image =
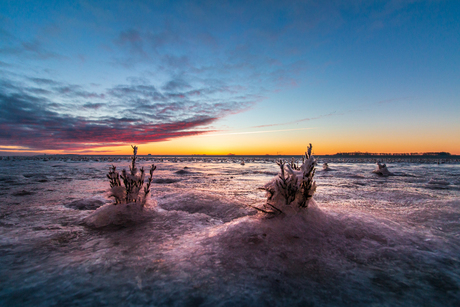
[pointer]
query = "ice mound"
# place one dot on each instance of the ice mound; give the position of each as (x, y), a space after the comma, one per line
(291, 190)
(382, 170)
(182, 172)
(277, 231)
(326, 167)
(120, 214)
(213, 206)
(308, 248)
(440, 182)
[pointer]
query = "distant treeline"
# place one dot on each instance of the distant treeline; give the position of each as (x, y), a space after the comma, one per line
(417, 154)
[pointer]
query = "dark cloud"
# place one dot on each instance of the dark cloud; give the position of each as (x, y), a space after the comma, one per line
(94, 106)
(136, 92)
(25, 121)
(44, 81)
(76, 91)
(176, 84)
(39, 91)
(33, 116)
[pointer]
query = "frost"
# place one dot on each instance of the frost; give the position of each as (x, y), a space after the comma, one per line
(120, 214)
(129, 193)
(133, 190)
(291, 190)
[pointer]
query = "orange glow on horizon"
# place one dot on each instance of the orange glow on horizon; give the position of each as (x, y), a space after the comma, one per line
(276, 142)
(255, 148)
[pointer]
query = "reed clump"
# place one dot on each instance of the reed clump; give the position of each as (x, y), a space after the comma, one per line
(128, 187)
(292, 189)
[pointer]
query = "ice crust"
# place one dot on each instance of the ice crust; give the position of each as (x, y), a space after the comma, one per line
(87, 203)
(292, 189)
(121, 214)
(130, 196)
(364, 240)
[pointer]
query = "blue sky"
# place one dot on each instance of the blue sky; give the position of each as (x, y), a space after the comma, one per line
(229, 76)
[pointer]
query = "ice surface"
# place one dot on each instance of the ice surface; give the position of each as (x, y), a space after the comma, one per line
(119, 214)
(437, 181)
(87, 203)
(363, 240)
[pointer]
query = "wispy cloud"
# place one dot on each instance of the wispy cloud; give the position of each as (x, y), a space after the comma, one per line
(299, 120)
(30, 49)
(33, 115)
(394, 100)
(255, 132)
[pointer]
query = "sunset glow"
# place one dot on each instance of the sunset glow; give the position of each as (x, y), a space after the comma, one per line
(186, 78)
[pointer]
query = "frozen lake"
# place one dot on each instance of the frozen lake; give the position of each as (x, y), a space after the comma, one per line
(392, 241)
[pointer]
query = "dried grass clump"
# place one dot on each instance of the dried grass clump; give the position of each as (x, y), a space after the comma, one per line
(291, 190)
(133, 190)
(130, 197)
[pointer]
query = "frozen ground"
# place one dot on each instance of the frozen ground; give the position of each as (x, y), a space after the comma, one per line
(391, 241)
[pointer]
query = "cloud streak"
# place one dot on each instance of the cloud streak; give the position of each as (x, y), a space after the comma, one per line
(33, 115)
(299, 120)
(256, 132)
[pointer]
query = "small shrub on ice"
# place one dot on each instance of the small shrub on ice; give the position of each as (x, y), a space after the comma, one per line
(130, 197)
(133, 189)
(294, 186)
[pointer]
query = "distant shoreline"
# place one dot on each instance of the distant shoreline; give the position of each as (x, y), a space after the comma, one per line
(335, 156)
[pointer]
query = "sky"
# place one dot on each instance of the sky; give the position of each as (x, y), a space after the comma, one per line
(220, 77)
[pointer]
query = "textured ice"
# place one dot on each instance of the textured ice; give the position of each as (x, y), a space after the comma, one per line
(87, 203)
(182, 172)
(292, 189)
(364, 239)
(436, 181)
(119, 214)
(213, 206)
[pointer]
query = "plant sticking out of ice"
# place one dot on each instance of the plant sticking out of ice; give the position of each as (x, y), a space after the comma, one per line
(291, 190)
(294, 165)
(382, 170)
(129, 193)
(133, 189)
